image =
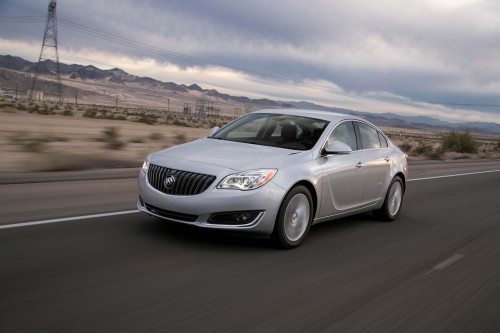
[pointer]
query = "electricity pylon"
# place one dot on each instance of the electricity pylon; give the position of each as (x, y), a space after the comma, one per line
(49, 52)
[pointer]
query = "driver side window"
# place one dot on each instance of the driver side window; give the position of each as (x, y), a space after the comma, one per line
(345, 133)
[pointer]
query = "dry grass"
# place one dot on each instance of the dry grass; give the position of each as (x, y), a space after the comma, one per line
(36, 142)
(52, 137)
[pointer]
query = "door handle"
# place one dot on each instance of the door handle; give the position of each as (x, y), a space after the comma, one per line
(387, 158)
(359, 165)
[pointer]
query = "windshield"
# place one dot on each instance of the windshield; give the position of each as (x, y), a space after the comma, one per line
(276, 130)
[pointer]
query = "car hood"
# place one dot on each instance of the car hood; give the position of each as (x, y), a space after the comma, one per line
(227, 154)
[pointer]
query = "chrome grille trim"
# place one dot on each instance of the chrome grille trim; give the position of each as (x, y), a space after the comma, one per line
(187, 183)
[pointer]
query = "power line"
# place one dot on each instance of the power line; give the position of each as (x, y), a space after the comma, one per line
(209, 64)
(160, 51)
(204, 63)
(177, 56)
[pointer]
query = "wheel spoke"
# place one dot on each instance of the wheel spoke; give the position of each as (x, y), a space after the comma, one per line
(395, 198)
(296, 217)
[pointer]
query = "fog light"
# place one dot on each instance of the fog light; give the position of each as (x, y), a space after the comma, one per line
(234, 218)
(242, 217)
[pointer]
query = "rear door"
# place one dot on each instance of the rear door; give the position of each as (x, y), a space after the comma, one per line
(376, 163)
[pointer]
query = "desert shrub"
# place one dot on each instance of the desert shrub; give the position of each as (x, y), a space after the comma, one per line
(424, 149)
(107, 115)
(406, 147)
(178, 122)
(136, 140)
(460, 143)
(34, 108)
(33, 146)
(436, 154)
(120, 117)
(147, 119)
(111, 137)
(67, 113)
(30, 144)
(155, 136)
(90, 114)
(180, 138)
(44, 112)
(21, 107)
(18, 137)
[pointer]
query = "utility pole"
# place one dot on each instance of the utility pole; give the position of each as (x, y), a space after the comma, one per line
(116, 104)
(76, 97)
(168, 109)
(49, 51)
(16, 91)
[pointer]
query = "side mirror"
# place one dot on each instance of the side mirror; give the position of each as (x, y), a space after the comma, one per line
(336, 147)
(213, 131)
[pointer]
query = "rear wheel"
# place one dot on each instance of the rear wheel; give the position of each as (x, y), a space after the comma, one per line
(294, 218)
(393, 201)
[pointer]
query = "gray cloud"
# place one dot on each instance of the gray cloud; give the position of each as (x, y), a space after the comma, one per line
(439, 50)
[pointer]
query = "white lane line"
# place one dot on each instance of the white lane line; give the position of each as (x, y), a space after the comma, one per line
(456, 175)
(66, 219)
(446, 263)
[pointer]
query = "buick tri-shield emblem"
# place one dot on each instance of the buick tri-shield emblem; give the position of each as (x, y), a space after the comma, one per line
(169, 181)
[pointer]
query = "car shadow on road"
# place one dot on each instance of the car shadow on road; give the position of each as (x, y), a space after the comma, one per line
(346, 222)
(200, 238)
(186, 235)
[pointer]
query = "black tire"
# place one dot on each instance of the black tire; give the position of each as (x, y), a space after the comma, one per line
(294, 218)
(391, 208)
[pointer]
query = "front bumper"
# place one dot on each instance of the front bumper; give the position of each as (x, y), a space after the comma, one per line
(197, 209)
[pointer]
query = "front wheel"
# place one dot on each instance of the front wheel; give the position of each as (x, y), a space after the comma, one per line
(294, 218)
(393, 201)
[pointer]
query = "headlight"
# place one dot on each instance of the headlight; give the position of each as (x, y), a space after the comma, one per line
(247, 180)
(145, 165)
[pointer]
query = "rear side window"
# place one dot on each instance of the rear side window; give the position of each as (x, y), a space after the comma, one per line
(369, 136)
(383, 140)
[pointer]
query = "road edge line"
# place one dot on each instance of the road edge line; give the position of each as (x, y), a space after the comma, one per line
(456, 175)
(66, 219)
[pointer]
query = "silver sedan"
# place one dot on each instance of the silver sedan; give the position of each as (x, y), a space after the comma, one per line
(276, 173)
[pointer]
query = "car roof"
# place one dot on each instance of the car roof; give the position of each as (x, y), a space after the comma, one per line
(318, 114)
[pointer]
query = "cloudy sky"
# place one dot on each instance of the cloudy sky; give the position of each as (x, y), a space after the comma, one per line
(438, 58)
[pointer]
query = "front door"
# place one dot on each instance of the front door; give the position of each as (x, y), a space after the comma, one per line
(342, 180)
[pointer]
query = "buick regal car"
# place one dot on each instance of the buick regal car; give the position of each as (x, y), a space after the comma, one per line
(276, 173)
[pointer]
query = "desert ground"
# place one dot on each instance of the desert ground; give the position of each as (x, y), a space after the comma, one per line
(55, 137)
(32, 141)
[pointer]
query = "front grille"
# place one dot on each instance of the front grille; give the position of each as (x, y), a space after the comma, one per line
(171, 215)
(186, 183)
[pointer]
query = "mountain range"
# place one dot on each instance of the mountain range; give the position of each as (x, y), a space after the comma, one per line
(411, 122)
(117, 77)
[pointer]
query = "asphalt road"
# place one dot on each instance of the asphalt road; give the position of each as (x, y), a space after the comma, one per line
(436, 269)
